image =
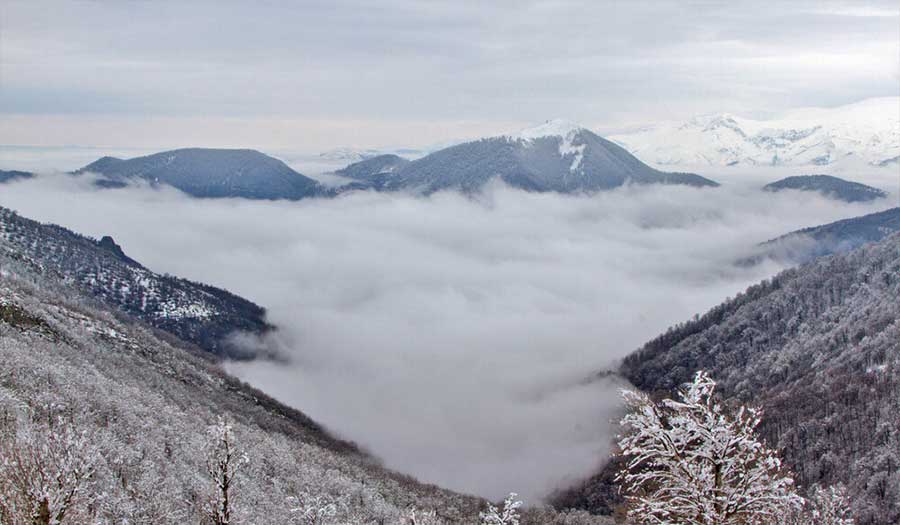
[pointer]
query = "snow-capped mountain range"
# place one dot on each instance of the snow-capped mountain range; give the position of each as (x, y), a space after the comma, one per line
(865, 133)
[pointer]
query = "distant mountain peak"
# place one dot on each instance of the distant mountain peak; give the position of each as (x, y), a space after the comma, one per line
(108, 243)
(858, 135)
(564, 130)
(349, 154)
(558, 156)
(550, 128)
(716, 121)
(208, 172)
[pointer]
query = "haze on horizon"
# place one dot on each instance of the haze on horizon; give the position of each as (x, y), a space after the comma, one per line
(317, 75)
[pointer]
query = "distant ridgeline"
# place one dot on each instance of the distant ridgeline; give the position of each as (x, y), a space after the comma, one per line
(209, 173)
(807, 244)
(818, 347)
(829, 186)
(197, 313)
(554, 157)
(6, 176)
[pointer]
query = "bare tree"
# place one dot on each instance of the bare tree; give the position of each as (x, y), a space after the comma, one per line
(224, 459)
(44, 468)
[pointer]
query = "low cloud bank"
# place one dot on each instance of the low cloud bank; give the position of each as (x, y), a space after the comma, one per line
(453, 337)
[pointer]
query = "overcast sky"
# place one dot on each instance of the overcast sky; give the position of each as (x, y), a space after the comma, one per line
(313, 75)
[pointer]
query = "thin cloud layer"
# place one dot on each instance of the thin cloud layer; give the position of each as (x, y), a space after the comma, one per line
(457, 339)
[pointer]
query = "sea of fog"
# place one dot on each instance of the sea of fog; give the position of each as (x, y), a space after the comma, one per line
(455, 338)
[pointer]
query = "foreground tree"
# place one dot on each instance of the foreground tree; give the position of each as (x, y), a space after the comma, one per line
(44, 470)
(690, 462)
(224, 459)
(508, 514)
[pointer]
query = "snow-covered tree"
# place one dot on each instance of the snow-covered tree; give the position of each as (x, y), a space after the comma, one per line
(830, 506)
(415, 516)
(44, 468)
(689, 461)
(312, 510)
(508, 514)
(224, 459)
(825, 506)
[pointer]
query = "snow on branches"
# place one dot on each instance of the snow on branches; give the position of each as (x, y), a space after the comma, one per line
(690, 462)
(44, 470)
(506, 515)
(223, 461)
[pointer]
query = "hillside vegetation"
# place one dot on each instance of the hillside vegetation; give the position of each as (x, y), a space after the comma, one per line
(124, 411)
(818, 348)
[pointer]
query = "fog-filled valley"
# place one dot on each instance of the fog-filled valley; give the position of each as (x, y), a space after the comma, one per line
(458, 338)
(530, 262)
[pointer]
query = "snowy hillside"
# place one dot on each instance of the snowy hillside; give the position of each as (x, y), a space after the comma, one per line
(866, 133)
(818, 348)
(86, 389)
(197, 313)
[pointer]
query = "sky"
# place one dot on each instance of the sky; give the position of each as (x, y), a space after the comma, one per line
(314, 75)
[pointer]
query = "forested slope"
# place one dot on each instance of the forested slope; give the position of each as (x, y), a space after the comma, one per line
(803, 246)
(198, 313)
(818, 347)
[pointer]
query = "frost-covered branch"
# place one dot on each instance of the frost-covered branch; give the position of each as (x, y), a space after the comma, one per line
(223, 461)
(43, 473)
(508, 514)
(688, 461)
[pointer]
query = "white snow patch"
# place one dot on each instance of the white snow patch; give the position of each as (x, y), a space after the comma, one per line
(173, 310)
(565, 130)
(567, 148)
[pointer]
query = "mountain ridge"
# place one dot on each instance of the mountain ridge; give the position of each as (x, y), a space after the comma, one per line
(209, 173)
(557, 156)
(866, 132)
(198, 313)
(807, 244)
(829, 186)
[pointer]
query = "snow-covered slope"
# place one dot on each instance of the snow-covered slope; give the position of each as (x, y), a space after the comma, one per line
(349, 155)
(866, 133)
(195, 312)
(817, 347)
